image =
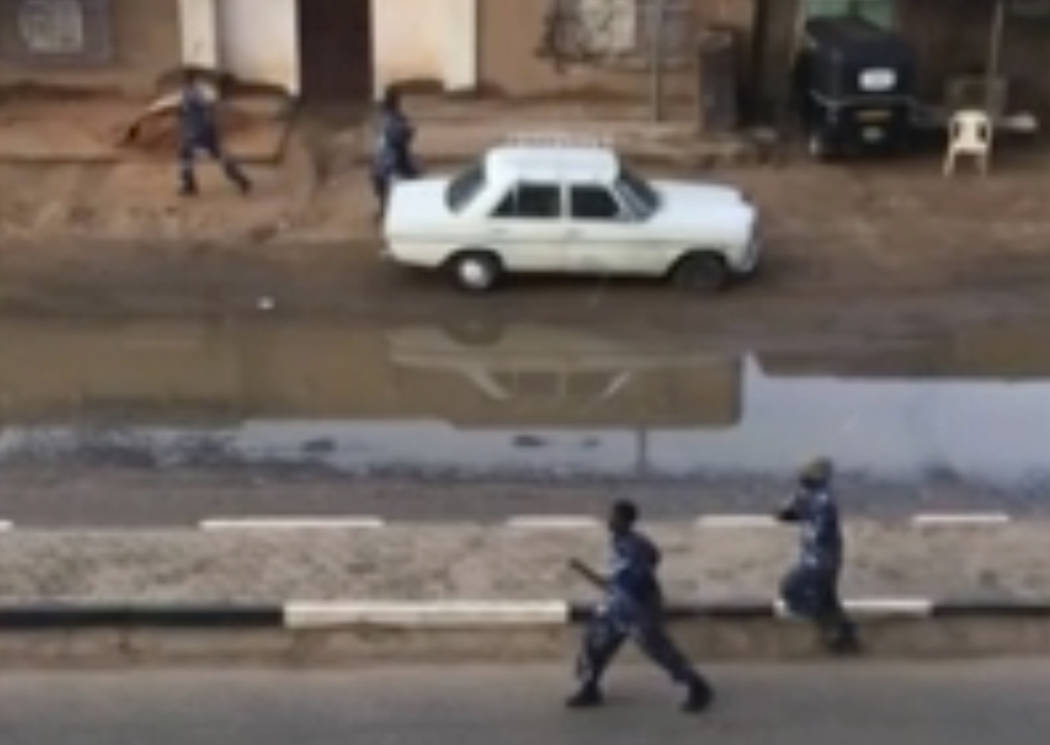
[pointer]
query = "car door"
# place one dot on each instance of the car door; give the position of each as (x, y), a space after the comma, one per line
(604, 236)
(527, 228)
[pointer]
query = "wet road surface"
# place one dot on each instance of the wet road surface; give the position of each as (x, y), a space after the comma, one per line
(260, 417)
(956, 704)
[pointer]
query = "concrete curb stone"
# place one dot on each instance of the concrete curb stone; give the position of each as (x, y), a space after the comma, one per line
(455, 613)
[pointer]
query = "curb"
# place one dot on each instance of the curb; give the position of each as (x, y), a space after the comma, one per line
(44, 617)
(336, 635)
(460, 614)
(924, 522)
(301, 616)
(968, 609)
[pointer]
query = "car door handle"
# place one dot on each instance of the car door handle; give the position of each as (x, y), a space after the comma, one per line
(498, 232)
(573, 234)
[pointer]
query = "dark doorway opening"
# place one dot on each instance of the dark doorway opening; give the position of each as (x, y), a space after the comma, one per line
(335, 43)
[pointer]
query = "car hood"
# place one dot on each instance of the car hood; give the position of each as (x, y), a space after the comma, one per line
(417, 205)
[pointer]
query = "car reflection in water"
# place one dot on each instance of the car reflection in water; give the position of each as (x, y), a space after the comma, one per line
(486, 400)
(522, 375)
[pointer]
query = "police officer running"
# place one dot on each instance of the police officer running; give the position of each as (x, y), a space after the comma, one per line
(633, 606)
(393, 156)
(199, 130)
(810, 589)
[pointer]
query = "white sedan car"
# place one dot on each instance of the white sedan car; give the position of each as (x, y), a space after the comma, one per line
(571, 210)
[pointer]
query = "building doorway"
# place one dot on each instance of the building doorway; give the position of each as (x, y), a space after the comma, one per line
(335, 42)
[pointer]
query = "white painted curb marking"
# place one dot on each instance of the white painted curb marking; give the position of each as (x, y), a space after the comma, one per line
(962, 518)
(554, 522)
(920, 607)
(305, 615)
(6, 525)
(894, 606)
(291, 523)
(737, 521)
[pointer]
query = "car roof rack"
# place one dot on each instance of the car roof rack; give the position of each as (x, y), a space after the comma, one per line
(559, 139)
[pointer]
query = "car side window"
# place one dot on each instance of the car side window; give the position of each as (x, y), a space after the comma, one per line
(593, 203)
(531, 201)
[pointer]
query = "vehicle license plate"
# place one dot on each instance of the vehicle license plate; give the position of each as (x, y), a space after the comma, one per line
(873, 134)
(874, 115)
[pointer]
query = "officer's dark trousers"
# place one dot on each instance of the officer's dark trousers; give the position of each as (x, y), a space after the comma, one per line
(813, 593)
(605, 635)
(383, 177)
(381, 186)
(209, 144)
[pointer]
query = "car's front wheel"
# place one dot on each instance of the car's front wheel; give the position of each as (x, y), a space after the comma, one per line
(475, 271)
(701, 272)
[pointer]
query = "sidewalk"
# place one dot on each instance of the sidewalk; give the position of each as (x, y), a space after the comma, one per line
(456, 131)
(456, 594)
(89, 130)
(428, 562)
(64, 174)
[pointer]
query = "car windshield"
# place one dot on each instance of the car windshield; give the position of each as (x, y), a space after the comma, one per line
(465, 187)
(642, 197)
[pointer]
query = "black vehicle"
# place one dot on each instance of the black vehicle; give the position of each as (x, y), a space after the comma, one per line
(855, 84)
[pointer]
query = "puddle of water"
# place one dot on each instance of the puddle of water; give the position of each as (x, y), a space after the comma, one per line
(520, 401)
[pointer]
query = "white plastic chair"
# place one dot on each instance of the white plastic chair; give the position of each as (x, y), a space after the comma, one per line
(970, 134)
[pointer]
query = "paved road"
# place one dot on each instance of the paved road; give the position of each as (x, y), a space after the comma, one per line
(1000, 702)
(81, 497)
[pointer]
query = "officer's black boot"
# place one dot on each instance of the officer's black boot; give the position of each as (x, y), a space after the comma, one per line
(841, 638)
(236, 175)
(187, 183)
(699, 697)
(845, 643)
(588, 696)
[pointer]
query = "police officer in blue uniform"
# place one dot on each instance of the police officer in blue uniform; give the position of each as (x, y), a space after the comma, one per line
(393, 150)
(633, 607)
(199, 131)
(810, 589)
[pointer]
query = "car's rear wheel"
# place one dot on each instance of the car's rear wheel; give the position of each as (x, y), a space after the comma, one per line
(701, 273)
(475, 271)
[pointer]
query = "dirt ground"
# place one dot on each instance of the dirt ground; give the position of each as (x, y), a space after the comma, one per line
(113, 239)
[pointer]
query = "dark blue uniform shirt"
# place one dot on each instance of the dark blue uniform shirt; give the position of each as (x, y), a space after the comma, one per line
(196, 116)
(821, 536)
(633, 586)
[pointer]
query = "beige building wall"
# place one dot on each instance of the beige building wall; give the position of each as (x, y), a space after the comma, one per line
(425, 41)
(198, 21)
(259, 41)
(144, 41)
(511, 33)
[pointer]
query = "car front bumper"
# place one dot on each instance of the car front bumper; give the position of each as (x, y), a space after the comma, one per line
(749, 260)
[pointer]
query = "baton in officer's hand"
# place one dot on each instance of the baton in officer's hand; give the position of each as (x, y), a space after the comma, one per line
(588, 574)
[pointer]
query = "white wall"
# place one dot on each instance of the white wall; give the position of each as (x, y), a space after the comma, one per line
(425, 39)
(197, 22)
(460, 48)
(259, 41)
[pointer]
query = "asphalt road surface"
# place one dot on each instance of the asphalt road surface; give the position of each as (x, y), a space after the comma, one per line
(1001, 702)
(84, 497)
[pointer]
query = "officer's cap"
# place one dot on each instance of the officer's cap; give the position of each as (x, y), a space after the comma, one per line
(817, 471)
